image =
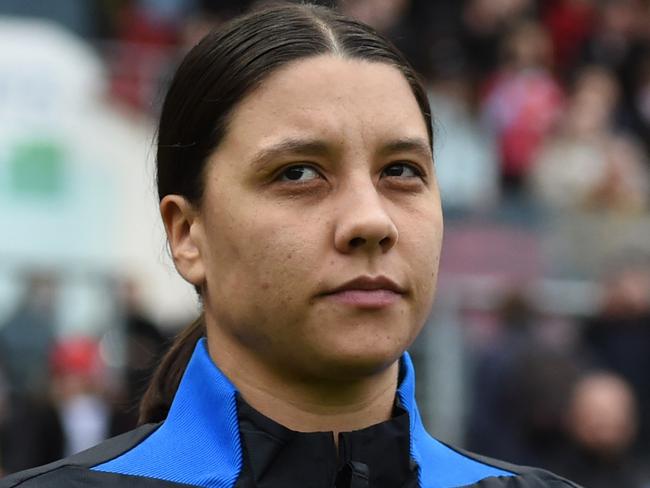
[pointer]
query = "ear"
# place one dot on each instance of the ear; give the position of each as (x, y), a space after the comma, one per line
(184, 231)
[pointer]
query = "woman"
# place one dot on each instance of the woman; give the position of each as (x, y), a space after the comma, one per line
(297, 190)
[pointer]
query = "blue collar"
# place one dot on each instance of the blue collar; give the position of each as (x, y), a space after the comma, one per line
(199, 442)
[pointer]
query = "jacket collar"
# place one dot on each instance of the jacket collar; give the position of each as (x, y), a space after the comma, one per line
(278, 456)
(376, 456)
(200, 442)
(204, 390)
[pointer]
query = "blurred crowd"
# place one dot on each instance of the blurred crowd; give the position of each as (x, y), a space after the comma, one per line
(572, 395)
(547, 100)
(541, 107)
(63, 393)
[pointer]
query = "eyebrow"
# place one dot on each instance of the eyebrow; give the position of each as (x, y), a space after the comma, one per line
(408, 144)
(318, 147)
(308, 147)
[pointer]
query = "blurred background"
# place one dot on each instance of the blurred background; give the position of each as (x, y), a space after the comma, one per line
(538, 347)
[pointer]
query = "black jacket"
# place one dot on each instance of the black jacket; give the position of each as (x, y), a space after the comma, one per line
(212, 438)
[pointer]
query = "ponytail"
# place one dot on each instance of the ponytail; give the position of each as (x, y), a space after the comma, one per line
(157, 399)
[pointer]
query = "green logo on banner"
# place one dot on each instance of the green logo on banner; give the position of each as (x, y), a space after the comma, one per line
(37, 169)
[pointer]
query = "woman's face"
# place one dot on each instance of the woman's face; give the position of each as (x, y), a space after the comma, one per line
(320, 227)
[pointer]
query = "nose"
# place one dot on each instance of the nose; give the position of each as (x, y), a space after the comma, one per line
(363, 224)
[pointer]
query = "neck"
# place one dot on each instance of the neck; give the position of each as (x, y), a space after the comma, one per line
(306, 405)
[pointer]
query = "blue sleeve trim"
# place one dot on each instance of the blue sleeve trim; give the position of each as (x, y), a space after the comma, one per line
(198, 443)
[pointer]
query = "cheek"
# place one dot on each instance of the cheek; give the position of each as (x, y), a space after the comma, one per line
(423, 253)
(263, 278)
(265, 256)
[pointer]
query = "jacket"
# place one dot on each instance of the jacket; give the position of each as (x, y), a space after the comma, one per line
(211, 438)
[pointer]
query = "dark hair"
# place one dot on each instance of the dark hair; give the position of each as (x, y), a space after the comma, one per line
(212, 79)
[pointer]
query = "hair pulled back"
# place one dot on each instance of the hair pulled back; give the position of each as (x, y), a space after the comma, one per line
(211, 80)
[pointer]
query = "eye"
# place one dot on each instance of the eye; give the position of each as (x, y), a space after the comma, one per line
(402, 170)
(299, 172)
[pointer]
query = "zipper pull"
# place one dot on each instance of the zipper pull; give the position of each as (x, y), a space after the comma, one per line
(353, 475)
(360, 475)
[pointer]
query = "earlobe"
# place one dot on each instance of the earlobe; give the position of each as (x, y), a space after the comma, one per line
(184, 230)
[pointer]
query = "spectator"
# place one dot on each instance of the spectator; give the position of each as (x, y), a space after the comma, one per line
(521, 384)
(484, 22)
(638, 103)
(570, 24)
(465, 157)
(618, 30)
(78, 393)
(522, 102)
(586, 165)
(618, 337)
(602, 426)
(27, 335)
(145, 345)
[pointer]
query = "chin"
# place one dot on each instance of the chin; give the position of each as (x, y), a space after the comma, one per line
(348, 363)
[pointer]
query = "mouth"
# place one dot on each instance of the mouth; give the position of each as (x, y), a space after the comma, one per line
(367, 292)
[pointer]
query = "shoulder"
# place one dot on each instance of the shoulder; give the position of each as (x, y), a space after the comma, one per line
(445, 466)
(517, 477)
(75, 470)
(68, 476)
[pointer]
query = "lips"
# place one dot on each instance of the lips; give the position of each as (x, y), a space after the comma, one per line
(369, 283)
(367, 292)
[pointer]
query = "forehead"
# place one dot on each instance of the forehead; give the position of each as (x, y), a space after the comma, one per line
(345, 101)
